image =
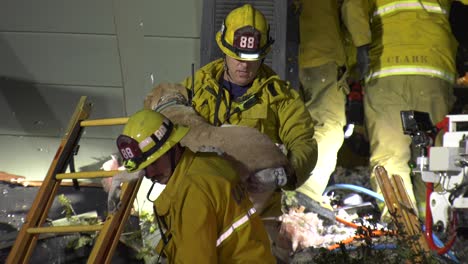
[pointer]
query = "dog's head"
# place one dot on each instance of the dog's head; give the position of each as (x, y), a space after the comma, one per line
(166, 93)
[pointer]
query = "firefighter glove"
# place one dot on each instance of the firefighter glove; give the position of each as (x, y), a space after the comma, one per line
(267, 180)
(363, 61)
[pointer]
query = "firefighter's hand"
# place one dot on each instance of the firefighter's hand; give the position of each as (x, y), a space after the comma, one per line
(267, 180)
(113, 198)
(363, 61)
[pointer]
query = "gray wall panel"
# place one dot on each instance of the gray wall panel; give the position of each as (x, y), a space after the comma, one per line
(129, 28)
(60, 58)
(176, 18)
(170, 59)
(54, 51)
(84, 16)
(44, 110)
(31, 156)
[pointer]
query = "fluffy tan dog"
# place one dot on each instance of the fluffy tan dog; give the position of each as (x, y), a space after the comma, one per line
(249, 150)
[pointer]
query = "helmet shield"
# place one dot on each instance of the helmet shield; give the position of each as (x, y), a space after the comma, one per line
(247, 40)
(130, 151)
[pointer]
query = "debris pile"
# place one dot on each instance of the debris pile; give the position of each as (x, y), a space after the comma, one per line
(307, 230)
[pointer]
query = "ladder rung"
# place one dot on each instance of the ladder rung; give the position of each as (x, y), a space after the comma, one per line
(104, 122)
(86, 175)
(64, 229)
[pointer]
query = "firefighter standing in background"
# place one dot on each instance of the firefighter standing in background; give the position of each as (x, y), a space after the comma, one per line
(322, 64)
(204, 214)
(412, 67)
(239, 89)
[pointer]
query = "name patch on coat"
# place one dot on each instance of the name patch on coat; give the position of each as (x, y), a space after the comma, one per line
(408, 59)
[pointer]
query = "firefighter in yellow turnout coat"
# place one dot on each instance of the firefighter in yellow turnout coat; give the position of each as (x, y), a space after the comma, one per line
(412, 67)
(270, 105)
(204, 213)
(240, 90)
(323, 72)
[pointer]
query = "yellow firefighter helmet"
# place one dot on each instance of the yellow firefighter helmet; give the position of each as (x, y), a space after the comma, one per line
(244, 34)
(146, 137)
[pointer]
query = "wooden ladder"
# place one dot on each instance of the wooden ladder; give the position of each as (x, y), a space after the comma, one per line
(109, 231)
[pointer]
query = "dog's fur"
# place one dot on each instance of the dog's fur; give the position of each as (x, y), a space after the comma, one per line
(247, 148)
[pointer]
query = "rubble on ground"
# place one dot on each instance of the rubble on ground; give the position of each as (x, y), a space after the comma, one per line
(359, 237)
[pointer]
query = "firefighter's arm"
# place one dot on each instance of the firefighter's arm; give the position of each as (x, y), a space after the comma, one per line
(198, 230)
(354, 14)
(296, 131)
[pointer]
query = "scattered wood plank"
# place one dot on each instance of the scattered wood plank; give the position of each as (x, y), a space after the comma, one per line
(402, 211)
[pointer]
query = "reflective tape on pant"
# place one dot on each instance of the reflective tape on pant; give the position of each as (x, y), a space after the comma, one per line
(234, 226)
(409, 5)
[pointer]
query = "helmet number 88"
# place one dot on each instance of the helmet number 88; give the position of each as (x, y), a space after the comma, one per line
(127, 153)
(247, 42)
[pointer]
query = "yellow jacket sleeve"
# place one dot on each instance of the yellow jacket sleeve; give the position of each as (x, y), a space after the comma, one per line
(296, 131)
(355, 17)
(320, 34)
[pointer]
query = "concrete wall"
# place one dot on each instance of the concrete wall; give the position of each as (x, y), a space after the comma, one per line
(52, 52)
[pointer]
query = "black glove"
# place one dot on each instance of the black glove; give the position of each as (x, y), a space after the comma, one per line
(363, 61)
